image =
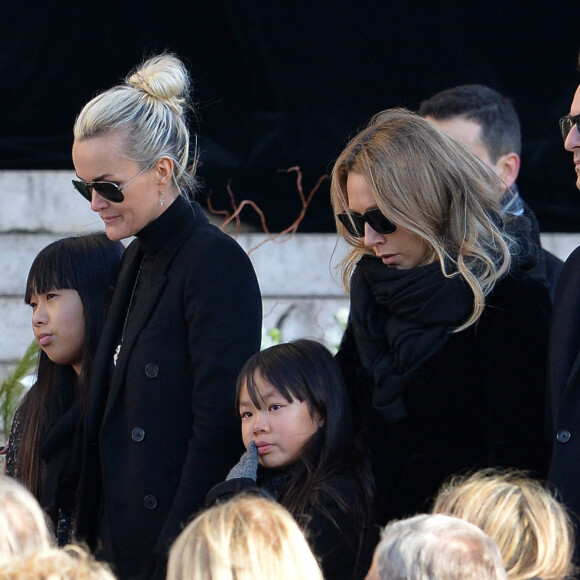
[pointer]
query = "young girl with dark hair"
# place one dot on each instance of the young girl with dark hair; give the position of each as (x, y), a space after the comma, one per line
(301, 449)
(69, 288)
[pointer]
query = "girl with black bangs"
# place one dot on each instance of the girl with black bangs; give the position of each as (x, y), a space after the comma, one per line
(301, 449)
(69, 288)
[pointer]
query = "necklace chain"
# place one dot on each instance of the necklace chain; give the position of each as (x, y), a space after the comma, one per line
(118, 349)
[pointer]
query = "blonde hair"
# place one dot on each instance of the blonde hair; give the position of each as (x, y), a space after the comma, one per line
(69, 563)
(245, 538)
(437, 546)
(531, 527)
(149, 111)
(23, 524)
(432, 185)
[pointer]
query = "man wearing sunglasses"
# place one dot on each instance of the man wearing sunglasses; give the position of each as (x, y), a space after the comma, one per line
(488, 124)
(564, 357)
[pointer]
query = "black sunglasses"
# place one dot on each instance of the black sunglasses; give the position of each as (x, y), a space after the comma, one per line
(566, 124)
(107, 189)
(355, 222)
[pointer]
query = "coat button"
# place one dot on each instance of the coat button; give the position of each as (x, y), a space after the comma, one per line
(563, 436)
(138, 434)
(151, 370)
(150, 502)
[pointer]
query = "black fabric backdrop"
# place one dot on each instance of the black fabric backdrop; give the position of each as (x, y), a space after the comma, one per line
(282, 83)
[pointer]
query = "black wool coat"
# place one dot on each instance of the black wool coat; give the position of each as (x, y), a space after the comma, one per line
(478, 402)
(161, 428)
(343, 547)
(564, 383)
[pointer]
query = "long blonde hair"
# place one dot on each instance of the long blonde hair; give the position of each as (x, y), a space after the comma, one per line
(246, 538)
(432, 185)
(533, 530)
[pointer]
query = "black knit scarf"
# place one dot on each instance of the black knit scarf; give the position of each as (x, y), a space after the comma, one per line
(61, 451)
(400, 319)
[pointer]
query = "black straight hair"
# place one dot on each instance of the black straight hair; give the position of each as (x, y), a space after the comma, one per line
(306, 370)
(88, 264)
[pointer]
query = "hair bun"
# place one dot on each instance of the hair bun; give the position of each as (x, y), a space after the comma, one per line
(164, 78)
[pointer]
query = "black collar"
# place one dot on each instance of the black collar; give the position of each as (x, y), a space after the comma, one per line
(153, 235)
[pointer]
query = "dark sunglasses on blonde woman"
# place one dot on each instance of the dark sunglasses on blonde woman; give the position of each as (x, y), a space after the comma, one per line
(355, 222)
(107, 189)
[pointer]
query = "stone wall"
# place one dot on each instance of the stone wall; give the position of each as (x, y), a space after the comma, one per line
(300, 286)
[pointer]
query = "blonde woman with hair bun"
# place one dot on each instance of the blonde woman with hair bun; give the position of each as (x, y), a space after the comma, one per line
(186, 314)
(445, 350)
(245, 538)
(531, 527)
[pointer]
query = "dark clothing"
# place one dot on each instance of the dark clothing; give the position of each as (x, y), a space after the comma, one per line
(161, 427)
(60, 450)
(344, 549)
(564, 383)
(553, 268)
(432, 402)
(548, 267)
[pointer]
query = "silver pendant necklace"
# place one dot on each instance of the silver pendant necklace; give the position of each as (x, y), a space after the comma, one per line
(118, 349)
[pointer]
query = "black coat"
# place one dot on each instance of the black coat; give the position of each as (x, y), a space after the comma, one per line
(480, 401)
(564, 382)
(343, 548)
(161, 428)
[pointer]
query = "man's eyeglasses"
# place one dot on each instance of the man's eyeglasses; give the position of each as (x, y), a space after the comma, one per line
(566, 124)
(107, 189)
(355, 222)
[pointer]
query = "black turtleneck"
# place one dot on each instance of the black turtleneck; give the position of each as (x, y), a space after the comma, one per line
(153, 235)
(151, 239)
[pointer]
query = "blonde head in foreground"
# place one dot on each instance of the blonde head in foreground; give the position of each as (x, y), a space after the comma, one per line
(531, 527)
(245, 538)
(70, 563)
(23, 525)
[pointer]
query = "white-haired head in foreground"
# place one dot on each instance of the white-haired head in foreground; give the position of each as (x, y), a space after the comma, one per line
(435, 547)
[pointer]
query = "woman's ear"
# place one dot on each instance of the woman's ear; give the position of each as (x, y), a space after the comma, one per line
(164, 170)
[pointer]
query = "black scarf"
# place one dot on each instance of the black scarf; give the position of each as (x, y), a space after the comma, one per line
(400, 319)
(61, 447)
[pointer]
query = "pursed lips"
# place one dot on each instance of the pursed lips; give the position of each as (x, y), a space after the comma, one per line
(263, 447)
(43, 338)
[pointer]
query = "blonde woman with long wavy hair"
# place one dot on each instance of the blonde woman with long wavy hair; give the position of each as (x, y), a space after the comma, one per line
(444, 353)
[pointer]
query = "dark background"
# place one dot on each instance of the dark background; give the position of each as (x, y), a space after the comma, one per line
(282, 83)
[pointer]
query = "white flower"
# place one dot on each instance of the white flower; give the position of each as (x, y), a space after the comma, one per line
(341, 316)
